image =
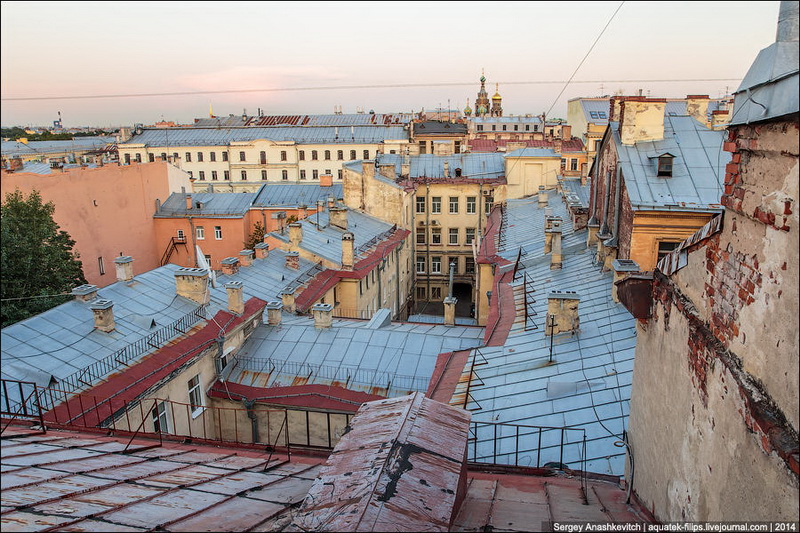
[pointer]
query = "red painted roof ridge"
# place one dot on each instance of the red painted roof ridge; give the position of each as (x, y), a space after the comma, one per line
(307, 395)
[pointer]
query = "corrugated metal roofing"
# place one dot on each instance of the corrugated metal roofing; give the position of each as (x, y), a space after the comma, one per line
(299, 134)
(11, 148)
(352, 119)
(44, 168)
(436, 127)
(477, 166)
(595, 111)
(573, 190)
(491, 145)
(698, 168)
(506, 120)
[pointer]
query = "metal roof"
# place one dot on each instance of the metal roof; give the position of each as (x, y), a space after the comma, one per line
(477, 166)
(438, 319)
(232, 204)
(175, 137)
(437, 127)
(12, 148)
(294, 194)
(698, 167)
(44, 168)
(533, 152)
(589, 385)
(351, 352)
(336, 119)
(595, 111)
(575, 192)
(512, 119)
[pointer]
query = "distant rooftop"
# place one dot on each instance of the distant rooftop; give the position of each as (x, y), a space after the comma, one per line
(351, 119)
(16, 148)
(473, 166)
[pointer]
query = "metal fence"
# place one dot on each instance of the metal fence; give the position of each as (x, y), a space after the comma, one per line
(99, 369)
(348, 376)
(18, 400)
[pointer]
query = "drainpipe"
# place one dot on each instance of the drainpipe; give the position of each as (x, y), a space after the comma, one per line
(194, 240)
(397, 281)
(251, 414)
(450, 287)
(429, 236)
(617, 207)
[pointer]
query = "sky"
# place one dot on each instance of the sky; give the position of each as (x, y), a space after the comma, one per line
(292, 56)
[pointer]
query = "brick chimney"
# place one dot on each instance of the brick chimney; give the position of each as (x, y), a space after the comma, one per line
(555, 245)
(566, 132)
(338, 217)
(235, 297)
(323, 315)
(295, 233)
(103, 315)
(550, 222)
(562, 312)
(192, 283)
(543, 196)
(622, 267)
(85, 293)
(450, 310)
(15, 163)
(302, 211)
(387, 170)
(348, 251)
(697, 107)
(331, 202)
(292, 260)
(557, 144)
(246, 258)
(188, 201)
(230, 266)
(274, 313)
(262, 250)
(124, 265)
(287, 298)
(641, 119)
(326, 180)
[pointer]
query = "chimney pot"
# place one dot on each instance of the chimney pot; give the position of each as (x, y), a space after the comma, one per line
(235, 290)
(338, 217)
(348, 252)
(262, 250)
(188, 201)
(124, 265)
(230, 266)
(323, 315)
(274, 312)
(295, 233)
(103, 315)
(326, 180)
(85, 293)
(450, 310)
(287, 298)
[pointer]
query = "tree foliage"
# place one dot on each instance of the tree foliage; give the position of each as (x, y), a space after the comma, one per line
(256, 237)
(37, 258)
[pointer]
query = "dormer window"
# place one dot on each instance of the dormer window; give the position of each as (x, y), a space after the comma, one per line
(665, 166)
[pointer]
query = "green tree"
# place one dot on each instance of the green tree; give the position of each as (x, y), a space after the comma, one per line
(37, 258)
(256, 237)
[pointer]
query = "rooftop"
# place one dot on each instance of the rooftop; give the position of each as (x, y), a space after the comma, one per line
(492, 145)
(351, 119)
(473, 166)
(438, 127)
(16, 148)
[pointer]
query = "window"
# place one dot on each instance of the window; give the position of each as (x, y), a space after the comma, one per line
(175, 156)
(328, 172)
(488, 203)
(301, 155)
(284, 175)
(314, 155)
(453, 236)
(504, 127)
(101, 266)
(190, 174)
(127, 159)
(264, 175)
(458, 147)
(181, 235)
(535, 127)
(563, 164)
(420, 235)
(436, 235)
(199, 157)
(573, 164)
(224, 156)
(421, 293)
(315, 174)
(151, 157)
(340, 155)
(471, 204)
(201, 175)
(494, 128)
(262, 156)
(242, 156)
(244, 175)
(328, 154)
(470, 236)
(436, 265)
(195, 395)
(469, 265)
(283, 155)
(159, 415)
(665, 166)
(516, 127)
(138, 158)
(214, 175)
(453, 205)
(436, 204)
(302, 174)
(218, 232)
(480, 127)
(352, 155)
(422, 149)
(226, 175)
(665, 247)
(212, 156)
(366, 154)
(420, 264)
(200, 233)
(436, 293)
(420, 204)
(527, 127)
(340, 174)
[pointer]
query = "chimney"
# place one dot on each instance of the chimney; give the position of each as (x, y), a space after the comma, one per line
(295, 233)
(331, 202)
(230, 266)
(557, 145)
(192, 283)
(262, 250)
(188, 201)
(85, 293)
(235, 297)
(697, 107)
(387, 170)
(287, 298)
(338, 217)
(302, 211)
(246, 258)
(293, 260)
(274, 314)
(98, 160)
(562, 312)
(15, 164)
(641, 119)
(348, 252)
(543, 196)
(326, 180)
(446, 169)
(621, 267)
(450, 310)
(550, 222)
(554, 234)
(323, 315)
(566, 132)
(103, 315)
(124, 264)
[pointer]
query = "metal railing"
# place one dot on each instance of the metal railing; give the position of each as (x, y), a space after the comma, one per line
(375, 240)
(352, 312)
(18, 400)
(345, 375)
(99, 369)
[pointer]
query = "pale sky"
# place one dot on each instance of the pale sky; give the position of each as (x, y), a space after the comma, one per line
(110, 48)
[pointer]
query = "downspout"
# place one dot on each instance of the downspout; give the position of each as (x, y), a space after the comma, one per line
(194, 240)
(429, 236)
(397, 280)
(251, 414)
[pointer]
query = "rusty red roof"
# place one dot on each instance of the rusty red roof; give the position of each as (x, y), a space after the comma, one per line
(327, 397)
(491, 145)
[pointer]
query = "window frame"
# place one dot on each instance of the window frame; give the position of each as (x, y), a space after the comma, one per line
(472, 205)
(420, 264)
(436, 205)
(156, 415)
(436, 264)
(452, 232)
(196, 404)
(420, 204)
(453, 205)
(242, 156)
(218, 233)
(200, 233)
